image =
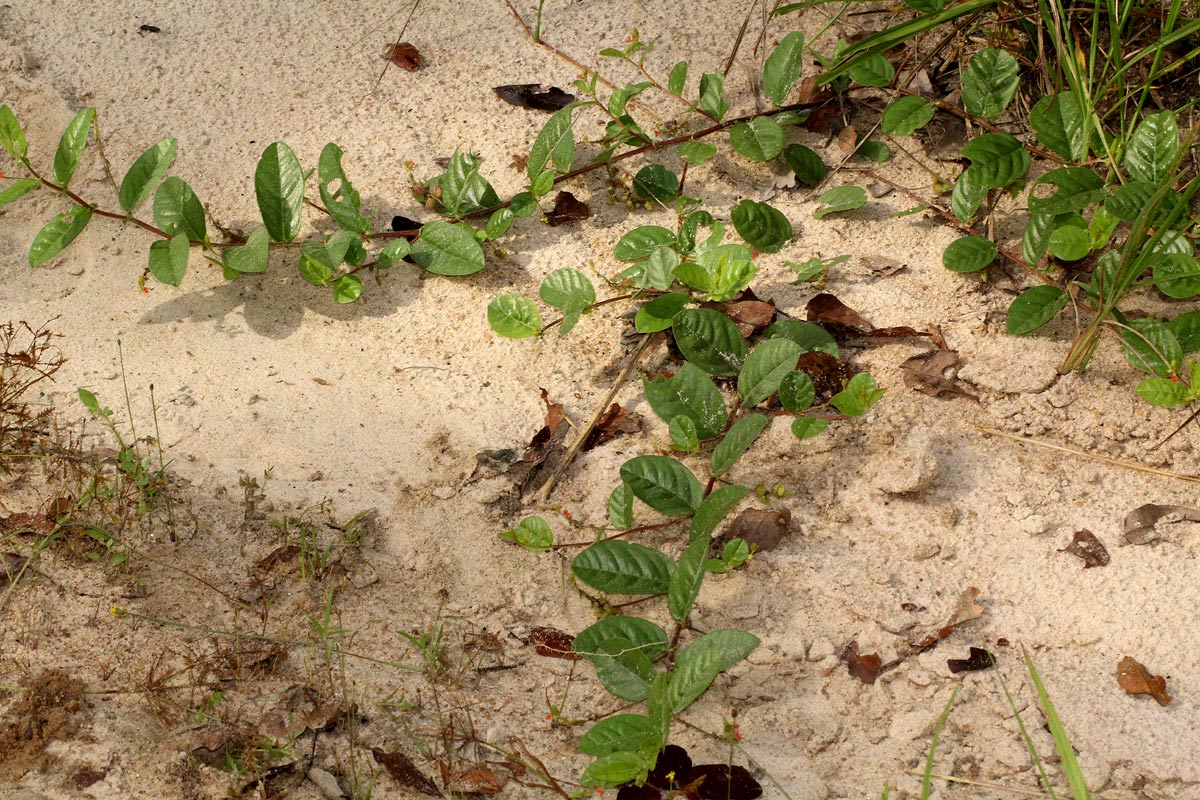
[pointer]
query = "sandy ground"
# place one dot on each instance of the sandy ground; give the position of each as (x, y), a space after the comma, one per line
(384, 404)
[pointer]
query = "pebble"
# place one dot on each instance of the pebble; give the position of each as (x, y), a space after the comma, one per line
(326, 783)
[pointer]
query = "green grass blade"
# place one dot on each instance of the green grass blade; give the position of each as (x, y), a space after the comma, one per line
(927, 778)
(1037, 761)
(1062, 743)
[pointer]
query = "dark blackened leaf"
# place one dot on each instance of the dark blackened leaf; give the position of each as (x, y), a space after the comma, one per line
(146, 29)
(1085, 545)
(977, 660)
(934, 373)
(567, 209)
(87, 776)
(409, 227)
(1134, 678)
(825, 308)
(1139, 523)
(404, 772)
(829, 374)
(553, 643)
(864, 667)
(762, 528)
(895, 332)
(490, 463)
(404, 55)
(724, 782)
(612, 423)
(967, 610)
(646, 792)
(551, 436)
(535, 96)
(672, 762)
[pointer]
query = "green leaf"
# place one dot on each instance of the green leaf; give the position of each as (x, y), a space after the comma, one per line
(533, 534)
(624, 671)
(737, 441)
(1069, 242)
(968, 254)
(640, 242)
(1163, 392)
(696, 153)
(691, 394)
(764, 227)
(808, 427)
(514, 316)
(689, 575)
(735, 553)
(613, 770)
(967, 195)
(620, 508)
(677, 78)
(1057, 121)
(523, 204)
(464, 190)
(797, 392)
(765, 368)
(347, 289)
(56, 234)
(1126, 202)
(906, 115)
(169, 259)
(555, 144)
(1151, 347)
(712, 85)
(989, 83)
(699, 663)
(997, 160)
(18, 189)
(658, 314)
(684, 437)
(714, 508)
(1078, 188)
(859, 395)
(279, 189)
(621, 567)
(89, 400)
(809, 335)
(783, 67)
(392, 254)
(647, 637)
(250, 257)
(1034, 307)
(448, 248)
(177, 209)
(498, 223)
(74, 139)
(656, 182)
(760, 139)
(1186, 328)
(1036, 239)
(1177, 275)
(315, 265)
(872, 69)
(664, 484)
(710, 340)
(1152, 148)
(842, 198)
(875, 151)
(143, 177)
(11, 135)
(620, 732)
(341, 199)
(808, 166)
(567, 288)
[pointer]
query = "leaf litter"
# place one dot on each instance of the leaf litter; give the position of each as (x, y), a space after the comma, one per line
(1140, 525)
(567, 208)
(674, 775)
(967, 609)
(1086, 546)
(534, 96)
(1135, 679)
(864, 666)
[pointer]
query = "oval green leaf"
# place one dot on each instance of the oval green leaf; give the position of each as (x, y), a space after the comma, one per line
(620, 507)
(841, 198)
(808, 427)
(341, 199)
(56, 234)
(968, 254)
(647, 637)
(621, 567)
(655, 182)
(990, 83)
(250, 257)
(74, 138)
(906, 115)
(279, 189)
(640, 242)
(658, 314)
(765, 368)
(797, 392)
(620, 732)
(177, 209)
(760, 139)
(764, 227)
(783, 67)
(700, 662)
(18, 189)
(664, 484)
(690, 393)
(143, 177)
(347, 289)
(710, 340)
(11, 135)
(809, 335)
(448, 249)
(737, 441)
(1152, 149)
(555, 144)
(169, 259)
(808, 166)
(514, 316)
(1058, 124)
(1034, 307)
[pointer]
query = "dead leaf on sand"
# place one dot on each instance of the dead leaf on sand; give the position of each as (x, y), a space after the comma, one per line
(1140, 523)
(567, 208)
(761, 528)
(865, 667)
(977, 659)
(612, 423)
(554, 643)
(1136, 679)
(404, 772)
(405, 56)
(524, 468)
(825, 308)
(934, 373)
(476, 778)
(966, 611)
(1085, 545)
(828, 373)
(534, 96)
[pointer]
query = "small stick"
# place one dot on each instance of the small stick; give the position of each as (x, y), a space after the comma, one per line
(544, 492)
(1166, 473)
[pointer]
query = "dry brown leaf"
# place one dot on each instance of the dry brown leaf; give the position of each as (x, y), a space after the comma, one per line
(405, 56)
(829, 374)
(554, 643)
(934, 373)
(1140, 523)
(567, 208)
(404, 772)
(1136, 679)
(847, 139)
(757, 313)
(612, 423)
(977, 660)
(966, 611)
(825, 308)
(762, 528)
(864, 667)
(882, 266)
(475, 779)
(1085, 545)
